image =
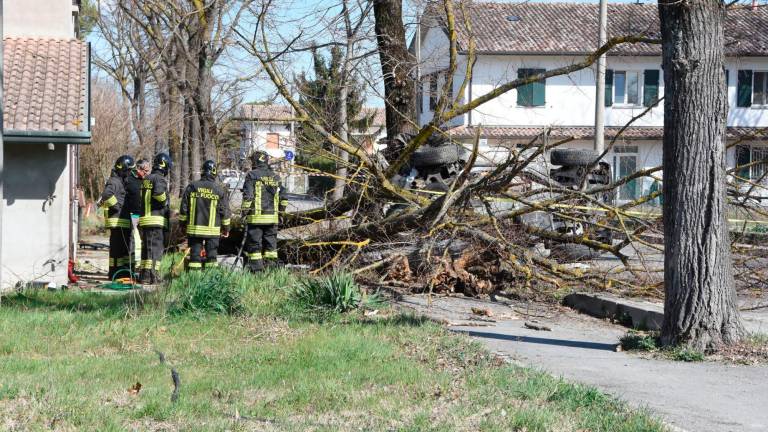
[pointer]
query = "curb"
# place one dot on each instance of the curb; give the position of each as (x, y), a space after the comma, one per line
(630, 313)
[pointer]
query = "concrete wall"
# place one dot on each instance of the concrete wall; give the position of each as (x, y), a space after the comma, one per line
(255, 138)
(35, 214)
(38, 18)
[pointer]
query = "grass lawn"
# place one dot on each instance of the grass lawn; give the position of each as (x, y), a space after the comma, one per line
(83, 361)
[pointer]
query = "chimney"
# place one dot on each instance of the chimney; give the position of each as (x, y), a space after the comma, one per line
(754, 4)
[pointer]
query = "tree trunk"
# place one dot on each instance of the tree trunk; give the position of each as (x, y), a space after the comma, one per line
(175, 132)
(185, 147)
(396, 65)
(203, 106)
(700, 309)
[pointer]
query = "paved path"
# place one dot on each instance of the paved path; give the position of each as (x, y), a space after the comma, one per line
(697, 397)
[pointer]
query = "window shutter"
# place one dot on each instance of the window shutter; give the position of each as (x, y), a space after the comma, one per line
(609, 87)
(533, 94)
(742, 158)
(744, 89)
(650, 87)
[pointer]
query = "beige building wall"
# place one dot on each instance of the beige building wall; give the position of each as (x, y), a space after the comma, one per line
(39, 18)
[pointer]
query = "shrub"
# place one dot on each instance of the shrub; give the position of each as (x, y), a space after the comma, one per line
(638, 341)
(215, 290)
(337, 292)
(686, 355)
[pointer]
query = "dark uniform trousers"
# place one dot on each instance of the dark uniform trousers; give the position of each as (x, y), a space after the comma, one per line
(152, 246)
(196, 247)
(261, 246)
(119, 255)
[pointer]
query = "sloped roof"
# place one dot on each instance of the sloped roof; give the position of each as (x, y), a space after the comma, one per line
(580, 132)
(571, 28)
(272, 112)
(45, 86)
(379, 116)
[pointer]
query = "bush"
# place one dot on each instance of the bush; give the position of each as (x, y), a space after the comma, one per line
(215, 290)
(337, 292)
(638, 341)
(686, 355)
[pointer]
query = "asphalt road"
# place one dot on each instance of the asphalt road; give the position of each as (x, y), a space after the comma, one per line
(704, 396)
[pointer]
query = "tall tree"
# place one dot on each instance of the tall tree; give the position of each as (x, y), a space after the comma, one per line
(700, 309)
(321, 95)
(396, 66)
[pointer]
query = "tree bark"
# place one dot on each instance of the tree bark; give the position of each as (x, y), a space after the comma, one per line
(700, 309)
(396, 64)
(175, 132)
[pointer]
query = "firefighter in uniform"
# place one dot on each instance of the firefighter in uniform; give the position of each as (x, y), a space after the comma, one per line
(205, 213)
(154, 218)
(261, 204)
(116, 215)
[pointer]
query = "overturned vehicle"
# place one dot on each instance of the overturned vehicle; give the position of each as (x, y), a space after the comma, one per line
(434, 166)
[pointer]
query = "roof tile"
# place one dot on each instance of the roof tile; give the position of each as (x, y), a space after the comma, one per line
(44, 86)
(571, 28)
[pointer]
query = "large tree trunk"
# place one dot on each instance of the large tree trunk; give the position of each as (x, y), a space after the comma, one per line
(175, 132)
(396, 65)
(700, 309)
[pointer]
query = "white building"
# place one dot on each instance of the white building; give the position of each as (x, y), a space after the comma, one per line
(522, 38)
(271, 128)
(369, 137)
(46, 115)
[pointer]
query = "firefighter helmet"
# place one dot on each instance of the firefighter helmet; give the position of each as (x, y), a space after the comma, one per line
(162, 162)
(209, 168)
(124, 164)
(259, 158)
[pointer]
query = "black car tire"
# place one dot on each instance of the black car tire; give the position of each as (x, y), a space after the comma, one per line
(572, 157)
(433, 156)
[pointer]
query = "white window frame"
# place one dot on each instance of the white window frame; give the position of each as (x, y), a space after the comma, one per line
(765, 88)
(754, 175)
(630, 151)
(640, 86)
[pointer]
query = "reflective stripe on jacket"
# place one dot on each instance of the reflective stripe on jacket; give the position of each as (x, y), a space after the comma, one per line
(112, 200)
(154, 199)
(204, 208)
(261, 197)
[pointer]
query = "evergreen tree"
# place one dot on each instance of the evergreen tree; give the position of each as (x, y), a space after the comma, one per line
(319, 96)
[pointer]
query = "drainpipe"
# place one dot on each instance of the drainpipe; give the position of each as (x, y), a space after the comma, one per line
(600, 81)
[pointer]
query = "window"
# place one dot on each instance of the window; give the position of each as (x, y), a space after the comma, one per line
(624, 165)
(273, 141)
(759, 93)
(432, 92)
(751, 162)
(532, 94)
(626, 87)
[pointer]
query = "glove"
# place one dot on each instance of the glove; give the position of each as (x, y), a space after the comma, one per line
(225, 232)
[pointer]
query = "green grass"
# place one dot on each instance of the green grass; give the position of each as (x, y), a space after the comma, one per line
(69, 362)
(650, 342)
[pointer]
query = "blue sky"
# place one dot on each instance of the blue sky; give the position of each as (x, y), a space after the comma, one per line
(292, 11)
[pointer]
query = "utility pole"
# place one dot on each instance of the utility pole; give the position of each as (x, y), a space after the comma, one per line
(600, 81)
